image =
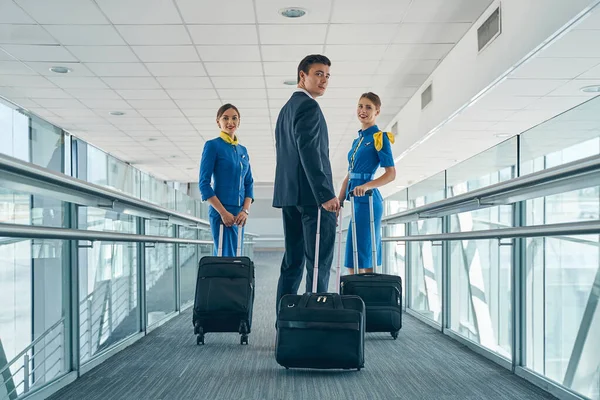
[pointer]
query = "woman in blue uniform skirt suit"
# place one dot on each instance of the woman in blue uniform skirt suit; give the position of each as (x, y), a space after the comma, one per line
(225, 162)
(370, 150)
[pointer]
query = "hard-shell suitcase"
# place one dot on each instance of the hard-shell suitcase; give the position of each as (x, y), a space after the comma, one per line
(381, 293)
(224, 294)
(320, 330)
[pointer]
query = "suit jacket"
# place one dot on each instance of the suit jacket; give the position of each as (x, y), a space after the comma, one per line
(303, 174)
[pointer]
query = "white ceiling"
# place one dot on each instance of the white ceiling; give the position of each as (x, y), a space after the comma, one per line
(547, 85)
(169, 64)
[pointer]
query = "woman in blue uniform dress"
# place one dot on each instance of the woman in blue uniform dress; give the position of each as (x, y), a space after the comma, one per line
(370, 150)
(226, 163)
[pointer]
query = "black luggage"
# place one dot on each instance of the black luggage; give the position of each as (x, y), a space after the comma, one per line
(224, 294)
(382, 294)
(320, 330)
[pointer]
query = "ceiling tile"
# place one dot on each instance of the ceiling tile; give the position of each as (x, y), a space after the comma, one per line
(132, 83)
(166, 53)
(43, 68)
(354, 67)
(575, 44)
(153, 104)
(319, 12)
(356, 11)
(282, 93)
(555, 68)
(25, 81)
(229, 12)
(573, 88)
(82, 12)
(431, 33)
(360, 34)
(85, 35)
(293, 34)
(38, 53)
(27, 103)
(248, 104)
(293, 53)
(42, 93)
(528, 87)
(161, 113)
(446, 11)
(195, 94)
(59, 103)
(107, 54)
(12, 14)
(93, 94)
(276, 82)
(223, 34)
(184, 83)
(154, 35)
(349, 81)
(176, 69)
(591, 21)
(15, 68)
(281, 68)
(397, 67)
(118, 69)
(143, 94)
(353, 52)
(114, 104)
(199, 108)
(424, 51)
(140, 11)
(227, 94)
(73, 82)
(234, 69)
(229, 53)
(4, 56)
(246, 82)
(24, 34)
(593, 73)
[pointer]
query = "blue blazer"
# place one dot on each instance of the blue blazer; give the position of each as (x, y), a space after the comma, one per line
(229, 168)
(303, 174)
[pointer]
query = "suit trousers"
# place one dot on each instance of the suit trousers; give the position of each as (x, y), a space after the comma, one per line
(300, 230)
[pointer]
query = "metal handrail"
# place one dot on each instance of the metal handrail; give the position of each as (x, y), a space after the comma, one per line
(564, 229)
(482, 198)
(33, 344)
(42, 232)
(61, 186)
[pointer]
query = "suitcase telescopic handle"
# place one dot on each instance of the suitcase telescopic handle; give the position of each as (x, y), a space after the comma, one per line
(240, 238)
(372, 225)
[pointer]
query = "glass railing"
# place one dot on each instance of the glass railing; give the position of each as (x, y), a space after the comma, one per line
(501, 252)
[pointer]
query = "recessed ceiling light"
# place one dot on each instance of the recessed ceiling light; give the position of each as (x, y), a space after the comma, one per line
(152, 139)
(117, 113)
(290, 82)
(502, 135)
(190, 168)
(60, 70)
(591, 89)
(292, 12)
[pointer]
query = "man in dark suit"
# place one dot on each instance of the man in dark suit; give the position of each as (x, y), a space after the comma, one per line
(303, 180)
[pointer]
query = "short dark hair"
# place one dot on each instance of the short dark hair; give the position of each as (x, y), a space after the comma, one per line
(373, 97)
(310, 60)
(226, 107)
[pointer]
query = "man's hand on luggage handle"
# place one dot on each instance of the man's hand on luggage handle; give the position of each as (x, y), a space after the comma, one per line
(361, 190)
(228, 218)
(332, 205)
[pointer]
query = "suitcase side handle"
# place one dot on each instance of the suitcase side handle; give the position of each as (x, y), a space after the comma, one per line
(322, 298)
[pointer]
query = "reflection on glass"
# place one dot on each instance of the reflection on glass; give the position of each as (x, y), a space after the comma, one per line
(426, 271)
(562, 327)
(160, 273)
(568, 137)
(108, 302)
(29, 267)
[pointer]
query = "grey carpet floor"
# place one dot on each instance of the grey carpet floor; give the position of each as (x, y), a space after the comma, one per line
(167, 364)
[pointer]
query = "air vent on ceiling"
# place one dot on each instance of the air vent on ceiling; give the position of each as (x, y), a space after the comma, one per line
(426, 96)
(489, 30)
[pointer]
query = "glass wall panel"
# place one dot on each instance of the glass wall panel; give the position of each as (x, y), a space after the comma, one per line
(568, 137)
(428, 191)
(108, 297)
(426, 271)
(32, 273)
(562, 314)
(14, 132)
(394, 253)
(189, 256)
(160, 273)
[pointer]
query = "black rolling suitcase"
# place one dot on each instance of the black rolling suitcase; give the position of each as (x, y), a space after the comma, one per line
(224, 294)
(320, 330)
(381, 293)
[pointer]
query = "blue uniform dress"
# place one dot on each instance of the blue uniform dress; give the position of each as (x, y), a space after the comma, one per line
(371, 149)
(227, 165)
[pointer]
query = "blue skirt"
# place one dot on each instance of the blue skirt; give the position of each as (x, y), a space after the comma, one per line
(363, 239)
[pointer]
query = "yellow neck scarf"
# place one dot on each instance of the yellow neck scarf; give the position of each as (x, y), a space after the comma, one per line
(228, 139)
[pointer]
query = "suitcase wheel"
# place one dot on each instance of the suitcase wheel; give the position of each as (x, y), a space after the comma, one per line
(200, 337)
(358, 369)
(394, 335)
(244, 339)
